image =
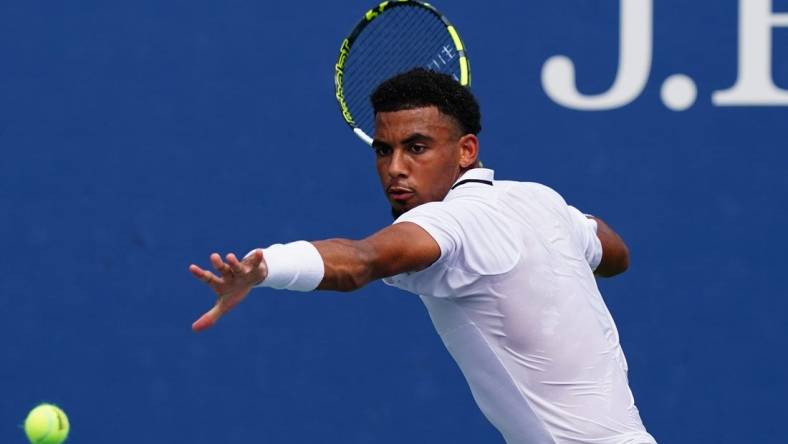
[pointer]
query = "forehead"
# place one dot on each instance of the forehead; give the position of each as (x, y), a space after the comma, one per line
(428, 121)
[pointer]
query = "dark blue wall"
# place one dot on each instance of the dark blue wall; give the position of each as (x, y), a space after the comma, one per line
(138, 137)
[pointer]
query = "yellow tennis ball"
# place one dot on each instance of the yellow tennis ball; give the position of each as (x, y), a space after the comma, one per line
(46, 424)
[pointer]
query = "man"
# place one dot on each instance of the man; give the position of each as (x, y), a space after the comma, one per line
(505, 269)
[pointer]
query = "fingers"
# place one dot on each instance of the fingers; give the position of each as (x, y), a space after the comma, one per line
(231, 287)
(235, 265)
(229, 269)
(196, 271)
(220, 266)
(204, 275)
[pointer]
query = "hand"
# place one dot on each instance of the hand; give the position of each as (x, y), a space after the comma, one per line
(237, 279)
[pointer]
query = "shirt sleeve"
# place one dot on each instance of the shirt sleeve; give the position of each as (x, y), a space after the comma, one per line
(472, 237)
(585, 232)
(439, 223)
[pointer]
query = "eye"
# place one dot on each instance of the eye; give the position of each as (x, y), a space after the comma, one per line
(417, 149)
(382, 151)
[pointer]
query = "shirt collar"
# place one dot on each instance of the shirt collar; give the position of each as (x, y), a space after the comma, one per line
(476, 176)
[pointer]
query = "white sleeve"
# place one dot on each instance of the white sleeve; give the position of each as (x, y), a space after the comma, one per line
(471, 237)
(585, 232)
(439, 224)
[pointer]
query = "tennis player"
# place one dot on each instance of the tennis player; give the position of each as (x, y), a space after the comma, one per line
(505, 269)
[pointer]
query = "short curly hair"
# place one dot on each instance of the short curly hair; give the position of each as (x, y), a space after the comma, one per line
(420, 88)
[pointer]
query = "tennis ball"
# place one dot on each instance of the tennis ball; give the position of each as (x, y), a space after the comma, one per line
(46, 424)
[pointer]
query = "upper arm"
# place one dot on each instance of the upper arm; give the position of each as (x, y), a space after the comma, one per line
(399, 248)
(396, 249)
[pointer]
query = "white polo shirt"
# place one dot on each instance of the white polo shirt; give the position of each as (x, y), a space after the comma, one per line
(514, 299)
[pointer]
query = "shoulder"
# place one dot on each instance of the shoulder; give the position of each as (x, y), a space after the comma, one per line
(527, 197)
(442, 220)
(529, 188)
(474, 233)
(431, 212)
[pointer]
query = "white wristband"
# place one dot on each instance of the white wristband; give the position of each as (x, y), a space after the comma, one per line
(295, 266)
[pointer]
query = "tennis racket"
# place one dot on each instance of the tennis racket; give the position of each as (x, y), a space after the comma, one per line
(392, 38)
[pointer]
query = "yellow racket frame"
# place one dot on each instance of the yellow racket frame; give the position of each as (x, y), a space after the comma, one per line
(369, 16)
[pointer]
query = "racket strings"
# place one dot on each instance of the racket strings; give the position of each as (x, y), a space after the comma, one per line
(417, 54)
(384, 42)
(400, 39)
(409, 48)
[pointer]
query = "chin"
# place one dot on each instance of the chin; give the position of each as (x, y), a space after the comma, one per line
(399, 210)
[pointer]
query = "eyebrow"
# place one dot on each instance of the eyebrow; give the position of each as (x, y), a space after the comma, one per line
(379, 144)
(415, 137)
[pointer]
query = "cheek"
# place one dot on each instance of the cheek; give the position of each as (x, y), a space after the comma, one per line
(382, 169)
(434, 177)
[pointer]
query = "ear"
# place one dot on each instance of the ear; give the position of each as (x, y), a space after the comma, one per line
(469, 150)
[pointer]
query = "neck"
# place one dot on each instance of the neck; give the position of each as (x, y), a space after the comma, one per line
(477, 164)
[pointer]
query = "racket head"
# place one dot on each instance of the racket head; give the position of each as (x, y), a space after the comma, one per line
(392, 38)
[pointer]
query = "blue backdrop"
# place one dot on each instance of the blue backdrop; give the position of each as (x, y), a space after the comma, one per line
(138, 137)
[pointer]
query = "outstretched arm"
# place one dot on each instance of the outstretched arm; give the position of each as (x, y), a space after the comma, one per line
(396, 249)
(347, 265)
(615, 254)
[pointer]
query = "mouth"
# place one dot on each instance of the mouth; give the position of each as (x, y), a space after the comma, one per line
(400, 194)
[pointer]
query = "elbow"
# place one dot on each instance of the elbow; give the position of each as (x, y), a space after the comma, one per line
(615, 254)
(614, 264)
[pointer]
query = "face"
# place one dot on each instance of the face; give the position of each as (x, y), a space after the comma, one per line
(419, 154)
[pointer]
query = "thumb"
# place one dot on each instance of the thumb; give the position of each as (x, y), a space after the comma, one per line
(207, 320)
(255, 257)
(258, 267)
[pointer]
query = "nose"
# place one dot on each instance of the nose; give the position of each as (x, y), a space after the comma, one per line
(398, 164)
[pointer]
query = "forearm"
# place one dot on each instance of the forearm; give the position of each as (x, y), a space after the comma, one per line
(348, 264)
